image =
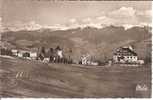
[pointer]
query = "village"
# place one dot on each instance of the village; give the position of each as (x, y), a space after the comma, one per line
(125, 55)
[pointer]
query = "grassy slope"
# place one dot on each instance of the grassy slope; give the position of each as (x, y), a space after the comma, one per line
(97, 42)
(58, 80)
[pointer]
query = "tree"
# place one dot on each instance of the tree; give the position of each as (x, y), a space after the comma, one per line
(43, 50)
(58, 48)
(51, 50)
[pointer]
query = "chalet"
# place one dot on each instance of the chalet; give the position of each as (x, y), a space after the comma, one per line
(125, 55)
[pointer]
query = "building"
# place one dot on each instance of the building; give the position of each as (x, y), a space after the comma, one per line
(33, 55)
(21, 53)
(86, 60)
(125, 55)
(14, 52)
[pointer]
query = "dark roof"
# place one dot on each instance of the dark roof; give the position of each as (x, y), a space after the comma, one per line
(58, 48)
(125, 52)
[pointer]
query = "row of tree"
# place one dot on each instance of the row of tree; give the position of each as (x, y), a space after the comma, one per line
(55, 55)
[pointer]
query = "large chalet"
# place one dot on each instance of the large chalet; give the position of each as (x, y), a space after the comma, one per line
(125, 55)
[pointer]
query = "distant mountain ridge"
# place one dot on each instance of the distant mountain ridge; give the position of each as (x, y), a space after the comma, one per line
(34, 27)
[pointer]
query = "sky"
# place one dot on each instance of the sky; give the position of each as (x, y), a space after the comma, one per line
(46, 13)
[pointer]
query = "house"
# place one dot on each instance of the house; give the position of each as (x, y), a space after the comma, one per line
(14, 52)
(125, 55)
(33, 55)
(20, 54)
(86, 60)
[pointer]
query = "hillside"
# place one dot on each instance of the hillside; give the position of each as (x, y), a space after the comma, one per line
(97, 42)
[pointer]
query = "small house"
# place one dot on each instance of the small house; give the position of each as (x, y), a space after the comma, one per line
(33, 55)
(14, 52)
(125, 55)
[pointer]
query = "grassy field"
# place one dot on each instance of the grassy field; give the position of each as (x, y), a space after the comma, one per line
(22, 78)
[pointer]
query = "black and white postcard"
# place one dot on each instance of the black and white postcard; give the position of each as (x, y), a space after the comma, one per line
(75, 49)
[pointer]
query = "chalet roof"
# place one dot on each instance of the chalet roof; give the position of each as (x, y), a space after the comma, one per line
(125, 52)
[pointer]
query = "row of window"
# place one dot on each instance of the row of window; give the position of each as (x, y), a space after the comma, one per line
(124, 54)
(131, 57)
(134, 57)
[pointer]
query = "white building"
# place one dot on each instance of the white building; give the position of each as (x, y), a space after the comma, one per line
(125, 55)
(14, 52)
(33, 55)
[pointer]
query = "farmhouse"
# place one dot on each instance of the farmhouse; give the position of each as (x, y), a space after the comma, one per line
(125, 55)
